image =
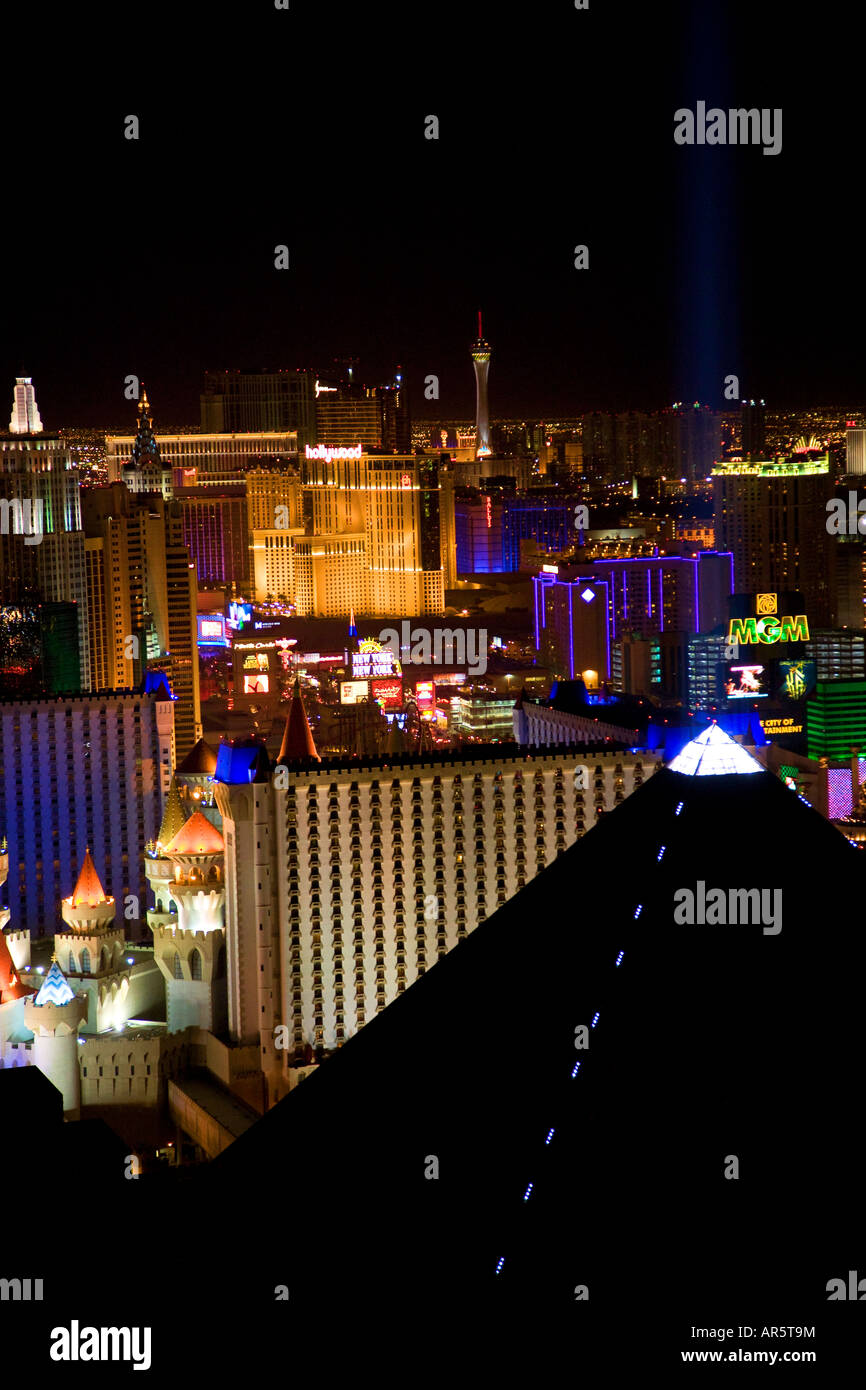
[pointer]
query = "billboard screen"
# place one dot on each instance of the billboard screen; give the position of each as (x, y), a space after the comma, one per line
(796, 679)
(239, 615)
(353, 691)
(256, 685)
(212, 630)
(745, 681)
(388, 693)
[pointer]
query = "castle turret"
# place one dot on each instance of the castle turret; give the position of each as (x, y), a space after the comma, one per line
(158, 868)
(54, 1016)
(190, 948)
(298, 739)
(94, 947)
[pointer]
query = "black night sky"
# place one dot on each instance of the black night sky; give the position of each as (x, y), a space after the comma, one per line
(306, 127)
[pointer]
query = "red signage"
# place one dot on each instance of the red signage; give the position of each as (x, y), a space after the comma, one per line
(406, 480)
(388, 693)
(425, 693)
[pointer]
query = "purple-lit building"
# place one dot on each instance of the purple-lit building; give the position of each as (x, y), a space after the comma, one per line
(572, 627)
(644, 598)
(489, 528)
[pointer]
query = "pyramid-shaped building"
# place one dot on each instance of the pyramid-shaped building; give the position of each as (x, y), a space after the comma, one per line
(590, 1101)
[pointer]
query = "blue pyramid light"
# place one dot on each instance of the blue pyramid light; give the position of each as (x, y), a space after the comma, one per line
(712, 754)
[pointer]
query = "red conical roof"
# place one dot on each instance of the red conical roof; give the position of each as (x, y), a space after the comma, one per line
(197, 836)
(88, 890)
(298, 737)
(10, 985)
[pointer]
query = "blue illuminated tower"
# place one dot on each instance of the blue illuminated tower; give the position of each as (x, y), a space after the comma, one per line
(481, 359)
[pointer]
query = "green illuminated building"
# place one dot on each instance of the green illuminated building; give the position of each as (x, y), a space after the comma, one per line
(836, 719)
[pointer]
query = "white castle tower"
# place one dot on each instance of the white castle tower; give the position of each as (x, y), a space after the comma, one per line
(54, 1016)
(25, 413)
(159, 870)
(189, 944)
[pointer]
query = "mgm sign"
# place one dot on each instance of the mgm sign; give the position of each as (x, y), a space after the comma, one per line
(767, 626)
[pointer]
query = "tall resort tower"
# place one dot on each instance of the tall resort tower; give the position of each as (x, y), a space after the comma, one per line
(481, 361)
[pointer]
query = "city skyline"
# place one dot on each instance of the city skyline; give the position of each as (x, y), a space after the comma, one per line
(432, 686)
(700, 263)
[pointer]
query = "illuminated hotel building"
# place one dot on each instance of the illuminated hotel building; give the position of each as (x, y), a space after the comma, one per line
(855, 451)
(447, 525)
(644, 597)
(375, 544)
(25, 412)
(772, 515)
(836, 719)
(108, 607)
(79, 771)
(481, 363)
(216, 533)
(260, 402)
(274, 496)
(151, 572)
(203, 460)
(839, 654)
(375, 416)
(347, 879)
(37, 469)
(270, 488)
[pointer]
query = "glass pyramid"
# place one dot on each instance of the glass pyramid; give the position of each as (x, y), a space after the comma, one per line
(714, 753)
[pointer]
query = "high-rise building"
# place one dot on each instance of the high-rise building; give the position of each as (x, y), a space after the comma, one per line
(646, 597)
(850, 567)
(855, 451)
(375, 542)
(490, 527)
(478, 532)
(151, 572)
(181, 591)
(276, 516)
(481, 363)
(79, 771)
(772, 515)
(216, 533)
(753, 430)
(376, 417)
(366, 872)
(447, 523)
(257, 402)
(39, 487)
(112, 665)
(691, 441)
(25, 412)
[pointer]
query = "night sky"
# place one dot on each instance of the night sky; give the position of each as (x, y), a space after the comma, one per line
(306, 127)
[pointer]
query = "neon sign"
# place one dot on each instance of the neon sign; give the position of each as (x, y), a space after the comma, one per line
(321, 451)
(769, 629)
(405, 480)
